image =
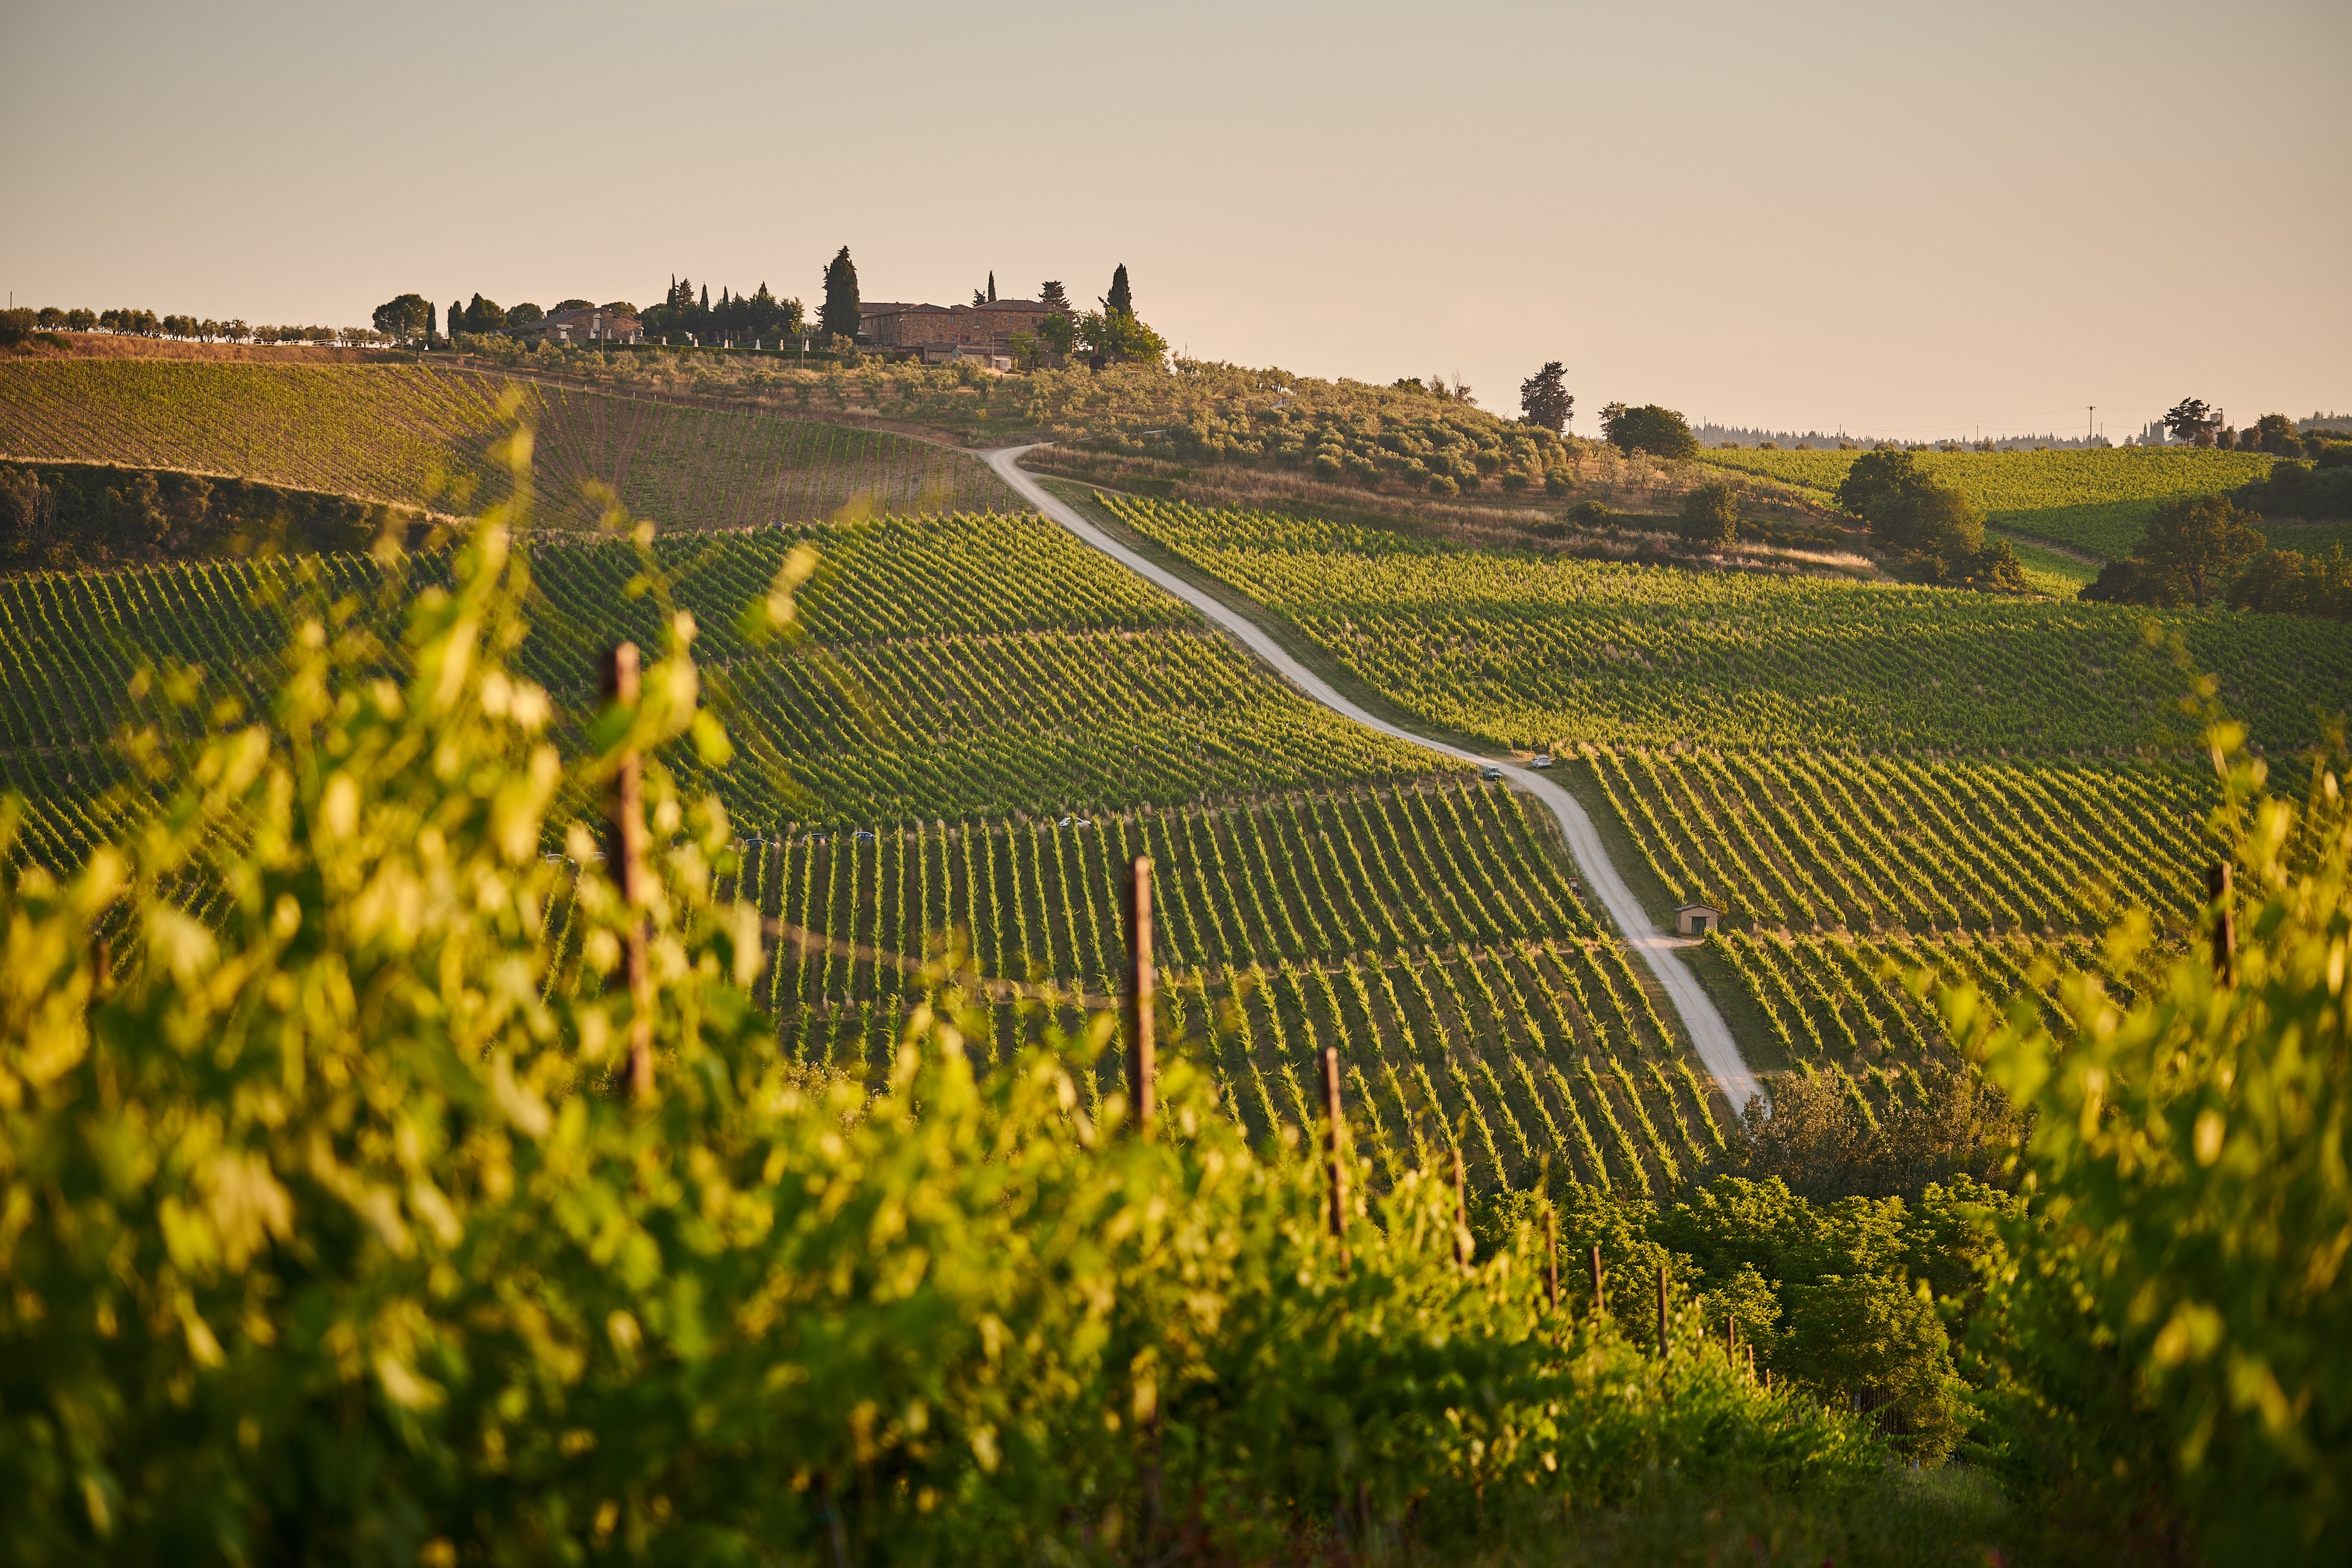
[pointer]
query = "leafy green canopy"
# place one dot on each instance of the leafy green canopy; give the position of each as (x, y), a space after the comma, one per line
(2166, 1356)
(1660, 432)
(2193, 547)
(1710, 518)
(327, 1238)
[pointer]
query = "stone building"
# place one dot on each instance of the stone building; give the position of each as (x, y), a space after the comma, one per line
(984, 329)
(591, 326)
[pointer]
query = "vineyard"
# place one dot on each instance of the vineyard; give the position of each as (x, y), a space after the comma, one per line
(986, 723)
(419, 436)
(1427, 932)
(1863, 843)
(2097, 501)
(1870, 780)
(1525, 651)
(956, 666)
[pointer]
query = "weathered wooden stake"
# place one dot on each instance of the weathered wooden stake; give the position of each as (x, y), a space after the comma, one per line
(624, 851)
(1461, 1213)
(1662, 1312)
(1730, 1339)
(1551, 1262)
(2225, 925)
(1599, 1298)
(1141, 1071)
(1331, 1146)
(1750, 1349)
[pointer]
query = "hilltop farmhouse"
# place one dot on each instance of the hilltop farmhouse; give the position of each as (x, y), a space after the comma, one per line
(591, 326)
(947, 332)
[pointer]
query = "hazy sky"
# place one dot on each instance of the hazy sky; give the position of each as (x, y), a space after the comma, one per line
(1899, 219)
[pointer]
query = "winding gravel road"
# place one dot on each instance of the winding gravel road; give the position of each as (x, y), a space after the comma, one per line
(1705, 1026)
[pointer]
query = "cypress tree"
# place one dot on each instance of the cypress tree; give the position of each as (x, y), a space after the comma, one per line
(1120, 299)
(456, 317)
(992, 286)
(706, 300)
(840, 313)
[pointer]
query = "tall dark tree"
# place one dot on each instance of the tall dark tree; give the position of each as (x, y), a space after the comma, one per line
(992, 286)
(839, 313)
(706, 300)
(1052, 293)
(484, 316)
(1120, 299)
(431, 323)
(405, 316)
(1545, 400)
(2193, 420)
(456, 317)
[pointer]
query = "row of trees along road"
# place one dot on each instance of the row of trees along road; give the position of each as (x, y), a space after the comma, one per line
(22, 322)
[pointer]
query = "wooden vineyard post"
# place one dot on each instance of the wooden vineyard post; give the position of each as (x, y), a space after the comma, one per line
(1141, 1071)
(1461, 1214)
(625, 847)
(1730, 1340)
(1750, 1348)
(1331, 1150)
(1662, 1312)
(1600, 1300)
(2225, 925)
(1551, 1262)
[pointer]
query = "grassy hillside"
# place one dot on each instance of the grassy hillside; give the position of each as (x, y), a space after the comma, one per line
(2097, 502)
(418, 435)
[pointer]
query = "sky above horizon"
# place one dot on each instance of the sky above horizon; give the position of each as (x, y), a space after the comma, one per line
(1903, 222)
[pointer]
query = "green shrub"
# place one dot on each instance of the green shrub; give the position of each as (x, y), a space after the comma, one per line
(2166, 1355)
(1710, 515)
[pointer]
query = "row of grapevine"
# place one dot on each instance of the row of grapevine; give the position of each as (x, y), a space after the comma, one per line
(1808, 839)
(962, 665)
(1839, 1006)
(1426, 930)
(1532, 650)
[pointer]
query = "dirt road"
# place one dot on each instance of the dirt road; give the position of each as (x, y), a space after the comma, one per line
(1706, 1027)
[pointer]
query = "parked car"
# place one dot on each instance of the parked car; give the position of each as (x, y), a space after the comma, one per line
(1490, 771)
(1543, 760)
